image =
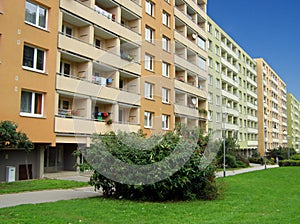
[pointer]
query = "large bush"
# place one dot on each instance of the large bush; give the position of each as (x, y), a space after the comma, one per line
(191, 181)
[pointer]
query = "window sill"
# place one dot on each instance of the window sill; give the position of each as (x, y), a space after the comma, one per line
(34, 70)
(38, 27)
(148, 127)
(152, 99)
(32, 116)
(1, 12)
(167, 103)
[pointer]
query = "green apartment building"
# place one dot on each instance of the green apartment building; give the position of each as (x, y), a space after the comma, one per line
(232, 90)
(293, 108)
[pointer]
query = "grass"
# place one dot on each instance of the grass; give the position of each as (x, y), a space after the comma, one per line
(267, 196)
(34, 185)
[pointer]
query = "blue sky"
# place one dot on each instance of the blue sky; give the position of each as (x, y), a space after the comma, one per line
(264, 28)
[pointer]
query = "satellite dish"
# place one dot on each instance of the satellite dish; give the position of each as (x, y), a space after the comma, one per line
(194, 36)
(194, 101)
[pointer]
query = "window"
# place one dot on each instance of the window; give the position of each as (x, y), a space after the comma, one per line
(218, 101)
(210, 79)
(165, 43)
(150, 8)
(36, 15)
(217, 83)
(67, 30)
(165, 95)
(149, 34)
(217, 34)
(218, 117)
(34, 58)
(97, 43)
(209, 27)
(65, 69)
(32, 104)
(166, 19)
(209, 116)
(148, 119)
(201, 42)
(165, 121)
(165, 69)
(201, 63)
(209, 61)
(149, 90)
(149, 62)
(210, 97)
(217, 66)
(217, 49)
(209, 44)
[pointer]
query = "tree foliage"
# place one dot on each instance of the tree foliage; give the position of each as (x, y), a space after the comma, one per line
(189, 182)
(11, 138)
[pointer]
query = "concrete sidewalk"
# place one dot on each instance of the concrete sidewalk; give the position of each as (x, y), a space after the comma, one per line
(253, 167)
(35, 197)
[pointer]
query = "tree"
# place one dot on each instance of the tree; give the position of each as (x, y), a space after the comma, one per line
(11, 138)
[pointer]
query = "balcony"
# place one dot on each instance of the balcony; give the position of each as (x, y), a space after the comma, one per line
(190, 89)
(90, 89)
(230, 96)
(251, 81)
(233, 127)
(229, 80)
(189, 66)
(229, 65)
(85, 126)
(252, 143)
(252, 70)
(252, 130)
(187, 111)
(103, 19)
(228, 50)
(252, 118)
(89, 51)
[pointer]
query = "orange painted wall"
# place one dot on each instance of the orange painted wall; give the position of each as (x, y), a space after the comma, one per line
(13, 78)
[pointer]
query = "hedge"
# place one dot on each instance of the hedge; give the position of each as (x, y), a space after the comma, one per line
(289, 163)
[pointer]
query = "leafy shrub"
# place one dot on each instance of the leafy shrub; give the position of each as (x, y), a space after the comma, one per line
(295, 157)
(189, 182)
(289, 163)
(257, 160)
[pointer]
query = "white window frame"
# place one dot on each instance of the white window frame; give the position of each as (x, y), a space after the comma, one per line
(149, 90)
(166, 43)
(201, 43)
(166, 18)
(165, 95)
(35, 52)
(62, 68)
(149, 62)
(32, 105)
(148, 119)
(149, 8)
(165, 69)
(149, 34)
(165, 121)
(38, 8)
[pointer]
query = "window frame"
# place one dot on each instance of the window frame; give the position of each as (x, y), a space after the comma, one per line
(32, 104)
(165, 43)
(148, 119)
(149, 62)
(149, 8)
(165, 95)
(166, 18)
(165, 69)
(149, 90)
(37, 18)
(165, 122)
(35, 59)
(149, 31)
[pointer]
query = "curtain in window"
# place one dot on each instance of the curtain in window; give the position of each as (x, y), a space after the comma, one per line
(28, 56)
(38, 103)
(40, 60)
(30, 14)
(42, 17)
(26, 102)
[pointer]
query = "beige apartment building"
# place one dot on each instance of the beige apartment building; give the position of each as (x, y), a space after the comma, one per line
(272, 108)
(293, 134)
(232, 90)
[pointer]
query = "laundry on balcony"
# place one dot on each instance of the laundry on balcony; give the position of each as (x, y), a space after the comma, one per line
(100, 116)
(103, 12)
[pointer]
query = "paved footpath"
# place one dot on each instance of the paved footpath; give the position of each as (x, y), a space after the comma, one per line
(35, 197)
(253, 167)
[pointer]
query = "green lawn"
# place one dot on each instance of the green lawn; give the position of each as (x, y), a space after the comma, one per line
(267, 196)
(34, 185)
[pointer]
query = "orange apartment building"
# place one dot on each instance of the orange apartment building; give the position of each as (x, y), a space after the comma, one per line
(28, 48)
(74, 68)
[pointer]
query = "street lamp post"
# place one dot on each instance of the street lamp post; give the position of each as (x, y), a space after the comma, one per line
(224, 114)
(265, 147)
(288, 147)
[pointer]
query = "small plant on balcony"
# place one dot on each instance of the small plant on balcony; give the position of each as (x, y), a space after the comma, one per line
(202, 111)
(109, 122)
